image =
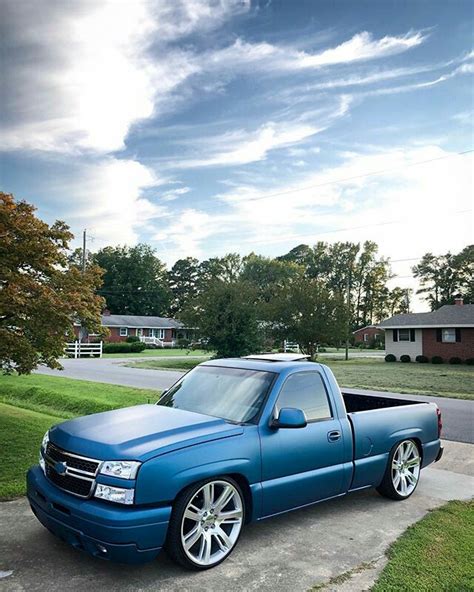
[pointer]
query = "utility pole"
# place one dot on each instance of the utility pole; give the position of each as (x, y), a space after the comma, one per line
(84, 242)
(348, 313)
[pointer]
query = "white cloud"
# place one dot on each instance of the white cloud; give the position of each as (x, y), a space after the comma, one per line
(173, 194)
(107, 198)
(242, 146)
(90, 73)
(360, 47)
(408, 210)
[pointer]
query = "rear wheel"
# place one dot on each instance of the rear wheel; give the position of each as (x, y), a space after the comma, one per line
(403, 471)
(206, 523)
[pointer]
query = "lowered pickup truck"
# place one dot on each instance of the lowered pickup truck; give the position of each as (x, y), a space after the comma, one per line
(233, 441)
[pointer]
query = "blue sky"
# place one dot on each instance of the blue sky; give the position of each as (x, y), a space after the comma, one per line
(208, 127)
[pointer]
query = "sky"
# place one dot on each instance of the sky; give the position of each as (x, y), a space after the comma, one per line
(215, 126)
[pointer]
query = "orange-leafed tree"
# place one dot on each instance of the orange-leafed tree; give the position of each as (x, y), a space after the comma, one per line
(41, 294)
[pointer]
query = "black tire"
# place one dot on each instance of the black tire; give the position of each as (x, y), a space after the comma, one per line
(174, 545)
(386, 487)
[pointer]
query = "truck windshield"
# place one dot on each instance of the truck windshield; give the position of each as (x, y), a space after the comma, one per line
(233, 394)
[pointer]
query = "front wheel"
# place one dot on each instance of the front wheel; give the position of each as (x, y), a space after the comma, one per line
(403, 471)
(206, 523)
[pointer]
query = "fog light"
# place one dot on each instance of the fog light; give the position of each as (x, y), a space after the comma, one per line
(114, 494)
(102, 549)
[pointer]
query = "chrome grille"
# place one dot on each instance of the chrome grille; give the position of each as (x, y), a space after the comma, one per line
(77, 473)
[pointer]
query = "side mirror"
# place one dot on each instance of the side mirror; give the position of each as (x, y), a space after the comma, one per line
(290, 418)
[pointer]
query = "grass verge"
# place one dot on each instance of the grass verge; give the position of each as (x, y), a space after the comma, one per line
(29, 405)
(66, 397)
(21, 432)
(434, 554)
(166, 364)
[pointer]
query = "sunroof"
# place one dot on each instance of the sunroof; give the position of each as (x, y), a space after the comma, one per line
(277, 357)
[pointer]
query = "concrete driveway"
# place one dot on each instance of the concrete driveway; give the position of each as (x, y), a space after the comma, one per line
(458, 414)
(292, 552)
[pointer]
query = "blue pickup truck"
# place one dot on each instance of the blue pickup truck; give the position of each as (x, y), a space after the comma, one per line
(233, 441)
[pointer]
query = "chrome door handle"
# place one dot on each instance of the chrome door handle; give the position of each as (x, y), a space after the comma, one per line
(334, 436)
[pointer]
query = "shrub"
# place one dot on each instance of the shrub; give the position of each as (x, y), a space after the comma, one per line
(322, 350)
(437, 360)
(183, 343)
(123, 347)
(470, 361)
(405, 358)
(422, 359)
(455, 360)
(390, 358)
(133, 339)
(138, 346)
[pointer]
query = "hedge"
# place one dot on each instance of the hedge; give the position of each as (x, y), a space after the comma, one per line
(123, 348)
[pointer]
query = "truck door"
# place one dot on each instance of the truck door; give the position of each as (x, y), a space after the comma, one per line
(302, 465)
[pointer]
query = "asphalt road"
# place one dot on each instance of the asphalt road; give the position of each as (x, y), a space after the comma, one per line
(292, 552)
(458, 414)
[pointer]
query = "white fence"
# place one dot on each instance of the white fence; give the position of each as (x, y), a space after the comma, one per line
(77, 349)
(288, 345)
(156, 342)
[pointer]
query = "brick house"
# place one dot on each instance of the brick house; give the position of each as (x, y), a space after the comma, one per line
(162, 329)
(447, 332)
(367, 334)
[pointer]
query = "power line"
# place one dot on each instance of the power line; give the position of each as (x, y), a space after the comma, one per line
(355, 177)
(319, 232)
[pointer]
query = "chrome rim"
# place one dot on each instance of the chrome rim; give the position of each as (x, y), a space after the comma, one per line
(405, 468)
(212, 522)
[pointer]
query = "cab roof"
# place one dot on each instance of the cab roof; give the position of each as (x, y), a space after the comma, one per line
(263, 364)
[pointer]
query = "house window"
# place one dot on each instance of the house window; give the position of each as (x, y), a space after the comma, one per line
(158, 333)
(123, 331)
(404, 335)
(366, 337)
(448, 335)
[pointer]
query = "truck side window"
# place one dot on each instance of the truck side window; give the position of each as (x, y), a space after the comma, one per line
(306, 391)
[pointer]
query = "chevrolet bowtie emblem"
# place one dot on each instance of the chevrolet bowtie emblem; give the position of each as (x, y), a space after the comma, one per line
(60, 468)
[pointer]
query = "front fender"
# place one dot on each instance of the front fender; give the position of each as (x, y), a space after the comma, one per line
(162, 478)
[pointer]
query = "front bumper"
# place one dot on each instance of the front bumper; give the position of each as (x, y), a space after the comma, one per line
(109, 531)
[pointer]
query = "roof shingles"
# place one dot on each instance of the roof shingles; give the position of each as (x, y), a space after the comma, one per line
(447, 316)
(140, 321)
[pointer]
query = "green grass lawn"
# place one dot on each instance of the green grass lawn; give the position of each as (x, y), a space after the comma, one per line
(423, 379)
(29, 405)
(435, 554)
(167, 364)
(369, 373)
(162, 352)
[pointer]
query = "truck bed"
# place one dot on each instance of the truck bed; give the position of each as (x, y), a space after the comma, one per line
(355, 403)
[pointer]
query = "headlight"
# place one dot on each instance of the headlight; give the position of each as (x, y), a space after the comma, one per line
(114, 494)
(125, 469)
(45, 441)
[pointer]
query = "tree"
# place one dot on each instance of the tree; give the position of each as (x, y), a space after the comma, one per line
(183, 281)
(227, 269)
(225, 314)
(135, 280)
(40, 294)
(307, 312)
(443, 276)
(269, 275)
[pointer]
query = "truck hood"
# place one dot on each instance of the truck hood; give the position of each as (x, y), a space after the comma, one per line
(138, 433)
